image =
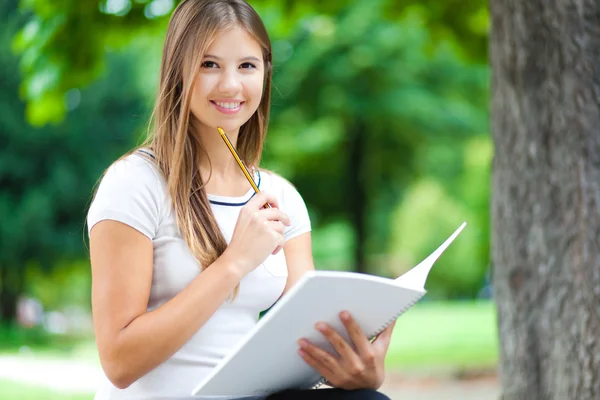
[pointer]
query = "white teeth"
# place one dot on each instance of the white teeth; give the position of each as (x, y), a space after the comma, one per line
(228, 105)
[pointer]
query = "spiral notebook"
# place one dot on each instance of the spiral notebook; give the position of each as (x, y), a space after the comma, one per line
(267, 360)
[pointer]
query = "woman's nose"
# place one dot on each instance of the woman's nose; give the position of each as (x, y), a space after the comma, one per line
(230, 82)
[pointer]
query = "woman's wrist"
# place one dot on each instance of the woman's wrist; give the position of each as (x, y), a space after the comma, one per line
(232, 265)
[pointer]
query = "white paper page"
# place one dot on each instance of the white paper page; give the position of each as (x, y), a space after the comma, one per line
(267, 360)
(416, 277)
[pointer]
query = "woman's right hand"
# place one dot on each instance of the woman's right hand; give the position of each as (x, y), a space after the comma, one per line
(258, 232)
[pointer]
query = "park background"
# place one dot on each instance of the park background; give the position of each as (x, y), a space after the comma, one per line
(380, 117)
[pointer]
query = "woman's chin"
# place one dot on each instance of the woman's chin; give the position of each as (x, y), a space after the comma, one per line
(228, 126)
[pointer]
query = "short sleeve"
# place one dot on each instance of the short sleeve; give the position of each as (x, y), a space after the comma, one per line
(130, 193)
(293, 205)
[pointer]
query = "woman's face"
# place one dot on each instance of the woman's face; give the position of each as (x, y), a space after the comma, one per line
(229, 83)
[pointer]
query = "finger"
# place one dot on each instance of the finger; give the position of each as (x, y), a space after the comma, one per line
(359, 339)
(322, 361)
(259, 200)
(276, 226)
(280, 243)
(319, 367)
(387, 332)
(340, 345)
(385, 336)
(323, 357)
(274, 214)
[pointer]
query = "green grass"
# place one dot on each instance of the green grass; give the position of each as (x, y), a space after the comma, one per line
(12, 338)
(447, 335)
(430, 336)
(12, 390)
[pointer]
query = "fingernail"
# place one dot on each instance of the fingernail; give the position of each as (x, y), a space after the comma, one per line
(321, 327)
(302, 343)
(345, 315)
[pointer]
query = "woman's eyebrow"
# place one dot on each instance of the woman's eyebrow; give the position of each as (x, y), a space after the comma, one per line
(253, 58)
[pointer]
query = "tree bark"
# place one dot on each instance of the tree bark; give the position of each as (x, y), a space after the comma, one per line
(545, 57)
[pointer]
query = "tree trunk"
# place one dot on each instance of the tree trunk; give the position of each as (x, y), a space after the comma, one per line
(356, 193)
(11, 286)
(545, 57)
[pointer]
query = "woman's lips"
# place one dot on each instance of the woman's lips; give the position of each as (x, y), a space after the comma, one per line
(228, 107)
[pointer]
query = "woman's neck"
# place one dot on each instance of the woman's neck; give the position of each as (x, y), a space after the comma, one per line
(221, 172)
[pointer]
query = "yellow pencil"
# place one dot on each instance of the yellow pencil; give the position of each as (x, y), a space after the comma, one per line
(240, 163)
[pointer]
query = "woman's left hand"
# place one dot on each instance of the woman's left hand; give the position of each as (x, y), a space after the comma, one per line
(360, 367)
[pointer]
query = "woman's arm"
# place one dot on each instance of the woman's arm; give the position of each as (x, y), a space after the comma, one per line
(299, 259)
(130, 340)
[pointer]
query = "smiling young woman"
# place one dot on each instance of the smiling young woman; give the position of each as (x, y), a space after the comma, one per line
(184, 256)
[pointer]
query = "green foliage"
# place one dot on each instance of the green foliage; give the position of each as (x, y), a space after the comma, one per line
(63, 43)
(63, 48)
(448, 201)
(388, 79)
(73, 278)
(360, 70)
(36, 339)
(47, 173)
(332, 246)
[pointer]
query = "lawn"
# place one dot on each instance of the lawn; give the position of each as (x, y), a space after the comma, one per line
(430, 336)
(11, 390)
(447, 335)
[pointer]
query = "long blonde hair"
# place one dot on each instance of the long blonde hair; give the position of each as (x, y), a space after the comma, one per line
(172, 138)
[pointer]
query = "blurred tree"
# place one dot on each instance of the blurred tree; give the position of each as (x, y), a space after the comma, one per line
(433, 207)
(63, 42)
(47, 174)
(374, 85)
(546, 197)
(359, 97)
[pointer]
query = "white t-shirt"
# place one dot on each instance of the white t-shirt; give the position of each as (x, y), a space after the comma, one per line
(133, 191)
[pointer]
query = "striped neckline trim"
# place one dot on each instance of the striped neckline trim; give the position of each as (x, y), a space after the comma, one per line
(221, 200)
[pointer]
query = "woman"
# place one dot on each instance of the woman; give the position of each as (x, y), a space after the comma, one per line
(184, 256)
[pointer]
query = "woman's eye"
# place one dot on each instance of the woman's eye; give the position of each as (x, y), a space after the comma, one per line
(209, 64)
(247, 65)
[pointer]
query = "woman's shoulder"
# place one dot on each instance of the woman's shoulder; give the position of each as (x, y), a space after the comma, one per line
(135, 169)
(135, 163)
(280, 186)
(290, 201)
(272, 181)
(130, 191)
(133, 176)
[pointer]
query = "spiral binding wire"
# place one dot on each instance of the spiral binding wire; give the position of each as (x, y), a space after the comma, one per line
(322, 380)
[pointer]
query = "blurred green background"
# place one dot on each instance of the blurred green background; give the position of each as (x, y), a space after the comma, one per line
(379, 117)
